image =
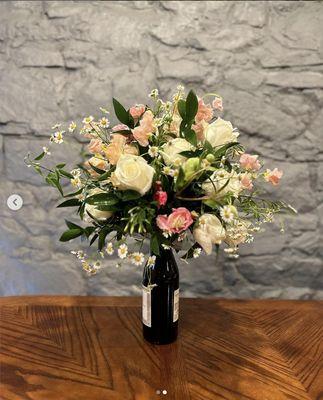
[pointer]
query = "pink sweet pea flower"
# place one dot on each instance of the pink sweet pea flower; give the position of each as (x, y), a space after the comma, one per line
(246, 182)
(249, 162)
(178, 221)
(217, 104)
(146, 127)
(120, 127)
(161, 197)
(137, 111)
(204, 112)
(95, 146)
(273, 176)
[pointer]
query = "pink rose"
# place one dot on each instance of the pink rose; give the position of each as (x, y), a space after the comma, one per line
(137, 111)
(204, 112)
(199, 130)
(120, 127)
(217, 104)
(146, 127)
(273, 176)
(161, 197)
(246, 182)
(249, 162)
(95, 146)
(178, 221)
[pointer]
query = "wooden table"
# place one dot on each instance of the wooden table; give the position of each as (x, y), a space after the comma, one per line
(86, 348)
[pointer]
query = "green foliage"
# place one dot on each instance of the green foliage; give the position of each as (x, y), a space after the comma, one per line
(122, 114)
(71, 234)
(70, 203)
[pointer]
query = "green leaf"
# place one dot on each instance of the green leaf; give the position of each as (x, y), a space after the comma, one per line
(180, 179)
(97, 170)
(191, 106)
(74, 194)
(128, 195)
(41, 155)
(181, 105)
(94, 239)
(89, 230)
(154, 244)
(102, 235)
(102, 199)
(104, 176)
(66, 174)
(71, 225)
(70, 203)
(122, 114)
(71, 234)
(107, 207)
(190, 136)
(59, 166)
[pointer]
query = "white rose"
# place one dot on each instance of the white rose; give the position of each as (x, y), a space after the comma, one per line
(219, 178)
(92, 209)
(220, 132)
(172, 149)
(208, 232)
(133, 173)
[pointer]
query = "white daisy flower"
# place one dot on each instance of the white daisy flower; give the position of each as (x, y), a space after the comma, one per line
(72, 127)
(228, 213)
(153, 151)
(57, 137)
(168, 171)
(109, 249)
(123, 251)
(76, 182)
(96, 265)
(46, 150)
(197, 252)
(137, 258)
(151, 261)
(165, 247)
(104, 122)
(76, 172)
(87, 120)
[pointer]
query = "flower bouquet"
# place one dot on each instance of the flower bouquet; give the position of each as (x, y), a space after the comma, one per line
(171, 172)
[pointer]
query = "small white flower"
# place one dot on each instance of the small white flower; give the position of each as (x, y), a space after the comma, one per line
(104, 110)
(76, 172)
(153, 151)
(154, 93)
(76, 182)
(168, 171)
(123, 251)
(96, 265)
(56, 126)
(197, 252)
(137, 258)
(57, 137)
(46, 150)
(87, 120)
(104, 122)
(228, 213)
(151, 261)
(166, 247)
(109, 249)
(72, 127)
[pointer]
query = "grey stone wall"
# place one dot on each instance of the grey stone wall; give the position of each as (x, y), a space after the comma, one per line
(61, 60)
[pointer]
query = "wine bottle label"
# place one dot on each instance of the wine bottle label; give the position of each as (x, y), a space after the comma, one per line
(176, 305)
(146, 307)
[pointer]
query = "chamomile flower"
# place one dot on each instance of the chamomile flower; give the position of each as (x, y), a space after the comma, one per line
(109, 249)
(96, 265)
(72, 127)
(197, 252)
(153, 151)
(228, 213)
(57, 137)
(123, 251)
(76, 182)
(151, 261)
(154, 93)
(137, 258)
(46, 150)
(166, 247)
(168, 171)
(104, 122)
(76, 172)
(87, 120)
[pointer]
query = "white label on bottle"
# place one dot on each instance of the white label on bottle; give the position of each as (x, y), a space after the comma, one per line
(176, 305)
(146, 307)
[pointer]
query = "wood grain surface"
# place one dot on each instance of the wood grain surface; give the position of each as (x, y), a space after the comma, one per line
(86, 348)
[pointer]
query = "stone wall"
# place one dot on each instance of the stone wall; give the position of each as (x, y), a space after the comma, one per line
(61, 60)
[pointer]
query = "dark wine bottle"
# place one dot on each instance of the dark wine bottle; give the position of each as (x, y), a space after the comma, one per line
(160, 299)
